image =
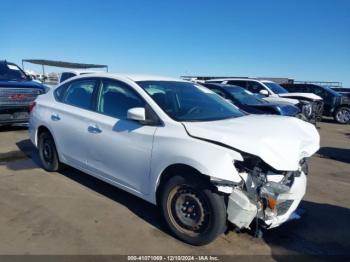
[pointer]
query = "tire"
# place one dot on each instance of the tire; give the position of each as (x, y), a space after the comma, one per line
(192, 211)
(342, 115)
(48, 153)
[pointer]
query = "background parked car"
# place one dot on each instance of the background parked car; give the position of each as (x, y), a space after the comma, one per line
(17, 91)
(335, 104)
(250, 103)
(310, 104)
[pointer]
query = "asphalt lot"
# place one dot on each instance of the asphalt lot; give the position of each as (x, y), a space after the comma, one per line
(74, 213)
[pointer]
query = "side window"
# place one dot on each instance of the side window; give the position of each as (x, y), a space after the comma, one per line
(116, 98)
(79, 93)
(299, 88)
(254, 87)
(295, 88)
(238, 83)
(219, 92)
(319, 91)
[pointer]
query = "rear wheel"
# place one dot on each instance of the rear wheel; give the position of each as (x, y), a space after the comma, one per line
(192, 211)
(342, 115)
(48, 153)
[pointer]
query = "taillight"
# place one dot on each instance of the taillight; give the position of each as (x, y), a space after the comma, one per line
(31, 106)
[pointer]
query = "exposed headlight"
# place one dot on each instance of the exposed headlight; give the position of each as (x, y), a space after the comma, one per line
(307, 110)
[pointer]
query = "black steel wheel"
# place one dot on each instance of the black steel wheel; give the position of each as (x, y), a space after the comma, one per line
(48, 153)
(192, 211)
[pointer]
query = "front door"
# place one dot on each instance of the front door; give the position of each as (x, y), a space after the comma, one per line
(119, 149)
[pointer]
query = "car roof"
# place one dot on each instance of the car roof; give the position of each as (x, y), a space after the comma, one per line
(145, 77)
(329, 90)
(341, 88)
(301, 84)
(132, 77)
(223, 85)
(266, 81)
(238, 79)
(78, 72)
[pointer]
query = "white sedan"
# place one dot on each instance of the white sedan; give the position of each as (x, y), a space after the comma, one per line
(179, 146)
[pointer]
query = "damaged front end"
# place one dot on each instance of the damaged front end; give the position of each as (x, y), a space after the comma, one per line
(266, 197)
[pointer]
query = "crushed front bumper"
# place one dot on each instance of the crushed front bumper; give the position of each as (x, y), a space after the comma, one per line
(242, 210)
(288, 202)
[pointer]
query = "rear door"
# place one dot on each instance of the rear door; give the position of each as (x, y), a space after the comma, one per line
(119, 149)
(69, 120)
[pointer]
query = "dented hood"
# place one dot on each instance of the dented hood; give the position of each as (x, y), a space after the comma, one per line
(279, 141)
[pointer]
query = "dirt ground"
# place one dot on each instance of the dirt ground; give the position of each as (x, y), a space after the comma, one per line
(74, 213)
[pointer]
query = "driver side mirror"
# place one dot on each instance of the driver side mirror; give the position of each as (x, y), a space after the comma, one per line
(138, 114)
(264, 92)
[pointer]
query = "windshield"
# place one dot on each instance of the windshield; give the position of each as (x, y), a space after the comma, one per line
(276, 88)
(333, 92)
(184, 101)
(12, 72)
(244, 97)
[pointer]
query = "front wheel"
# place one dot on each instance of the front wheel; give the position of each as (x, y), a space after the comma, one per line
(192, 211)
(342, 115)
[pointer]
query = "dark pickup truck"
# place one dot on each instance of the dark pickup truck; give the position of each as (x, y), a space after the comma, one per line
(17, 91)
(335, 104)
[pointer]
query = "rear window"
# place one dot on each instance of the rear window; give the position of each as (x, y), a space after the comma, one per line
(12, 72)
(65, 76)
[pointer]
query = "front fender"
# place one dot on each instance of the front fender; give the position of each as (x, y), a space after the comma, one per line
(207, 158)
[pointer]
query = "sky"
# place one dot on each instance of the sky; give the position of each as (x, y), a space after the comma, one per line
(303, 40)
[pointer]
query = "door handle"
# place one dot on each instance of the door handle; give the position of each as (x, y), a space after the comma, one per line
(55, 117)
(94, 129)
